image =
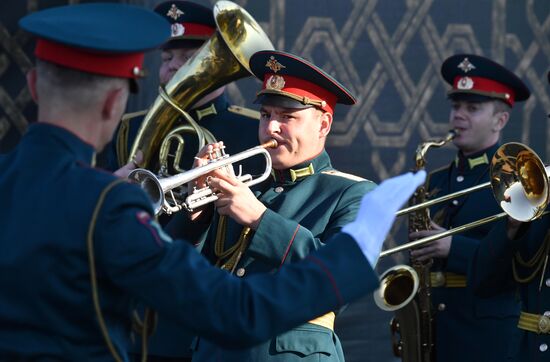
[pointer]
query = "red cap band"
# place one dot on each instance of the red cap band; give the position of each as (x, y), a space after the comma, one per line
(123, 65)
(302, 89)
(484, 86)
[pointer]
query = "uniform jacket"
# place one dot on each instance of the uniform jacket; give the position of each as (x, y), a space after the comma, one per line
(301, 217)
(493, 272)
(46, 309)
(469, 328)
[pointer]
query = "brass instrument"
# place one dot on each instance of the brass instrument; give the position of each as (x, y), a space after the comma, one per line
(161, 190)
(406, 290)
(221, 60)
(519, 181)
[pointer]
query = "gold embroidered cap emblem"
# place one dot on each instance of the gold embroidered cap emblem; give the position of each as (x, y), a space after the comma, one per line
(466, 66)
(276, 82)
(174, 12)
(274, 65)
(465, 83)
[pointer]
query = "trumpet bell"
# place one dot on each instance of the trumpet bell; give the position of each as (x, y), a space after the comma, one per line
(398, 286)
(150, 184)
(519, 181)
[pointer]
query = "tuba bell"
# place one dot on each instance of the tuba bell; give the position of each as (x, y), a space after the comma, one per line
(221, 60)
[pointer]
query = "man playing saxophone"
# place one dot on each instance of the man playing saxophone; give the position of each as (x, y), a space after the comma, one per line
(470, 328)
(294, 213)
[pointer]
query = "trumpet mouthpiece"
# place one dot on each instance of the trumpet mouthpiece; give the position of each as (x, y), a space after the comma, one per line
(270, 144)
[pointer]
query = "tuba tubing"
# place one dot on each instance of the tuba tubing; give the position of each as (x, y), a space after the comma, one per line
(221, 60)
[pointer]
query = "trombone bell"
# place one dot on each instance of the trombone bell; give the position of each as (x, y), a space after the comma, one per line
(520, 185)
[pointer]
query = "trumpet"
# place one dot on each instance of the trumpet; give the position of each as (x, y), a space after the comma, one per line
(161, 191)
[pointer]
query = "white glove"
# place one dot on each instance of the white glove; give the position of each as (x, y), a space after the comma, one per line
(377, 212)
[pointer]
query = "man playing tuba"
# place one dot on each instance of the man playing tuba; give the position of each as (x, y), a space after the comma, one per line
(191, 25)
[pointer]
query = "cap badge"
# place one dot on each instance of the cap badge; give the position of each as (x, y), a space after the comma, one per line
(275, 82)
(274, 65)
(466, 66)
(465, 83)
(177, 29)
(174, 12)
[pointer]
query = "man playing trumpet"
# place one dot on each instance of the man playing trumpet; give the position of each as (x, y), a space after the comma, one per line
(297, 211)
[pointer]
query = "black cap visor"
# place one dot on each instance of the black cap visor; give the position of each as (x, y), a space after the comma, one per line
(472, 97)
(276, 100)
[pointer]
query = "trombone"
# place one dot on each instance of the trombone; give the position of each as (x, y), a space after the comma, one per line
(519, 181)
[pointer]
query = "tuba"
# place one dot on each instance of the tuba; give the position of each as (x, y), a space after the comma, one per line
(221, 60)
(406, 289)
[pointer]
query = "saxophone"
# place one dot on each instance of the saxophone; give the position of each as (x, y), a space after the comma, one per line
(407, 289)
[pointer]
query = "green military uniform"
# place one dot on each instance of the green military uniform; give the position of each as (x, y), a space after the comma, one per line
(304, 210)
(307, 203)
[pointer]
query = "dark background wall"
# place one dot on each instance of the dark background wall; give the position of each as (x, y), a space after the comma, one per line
(388, 53)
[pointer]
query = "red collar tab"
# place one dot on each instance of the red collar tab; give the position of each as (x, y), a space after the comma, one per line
(484, 86)
(191, 31)
(123, 65)
(299, 89)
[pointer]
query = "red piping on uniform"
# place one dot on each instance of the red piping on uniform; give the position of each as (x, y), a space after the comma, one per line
(290, 244)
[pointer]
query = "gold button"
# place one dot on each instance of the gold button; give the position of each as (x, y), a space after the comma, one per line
(240, 272)
(279, 189)
(544, 324)
(438, 279)
(441, 307)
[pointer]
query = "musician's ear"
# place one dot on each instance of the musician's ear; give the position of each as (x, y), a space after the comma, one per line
(325, 124)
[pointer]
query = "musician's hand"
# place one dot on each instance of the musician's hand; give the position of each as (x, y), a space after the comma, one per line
(125, 170)
(237, 201)
(439, 248)
(201, 159)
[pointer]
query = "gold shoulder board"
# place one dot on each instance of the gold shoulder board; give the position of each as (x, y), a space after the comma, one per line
(247, 112)
(349, 176)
